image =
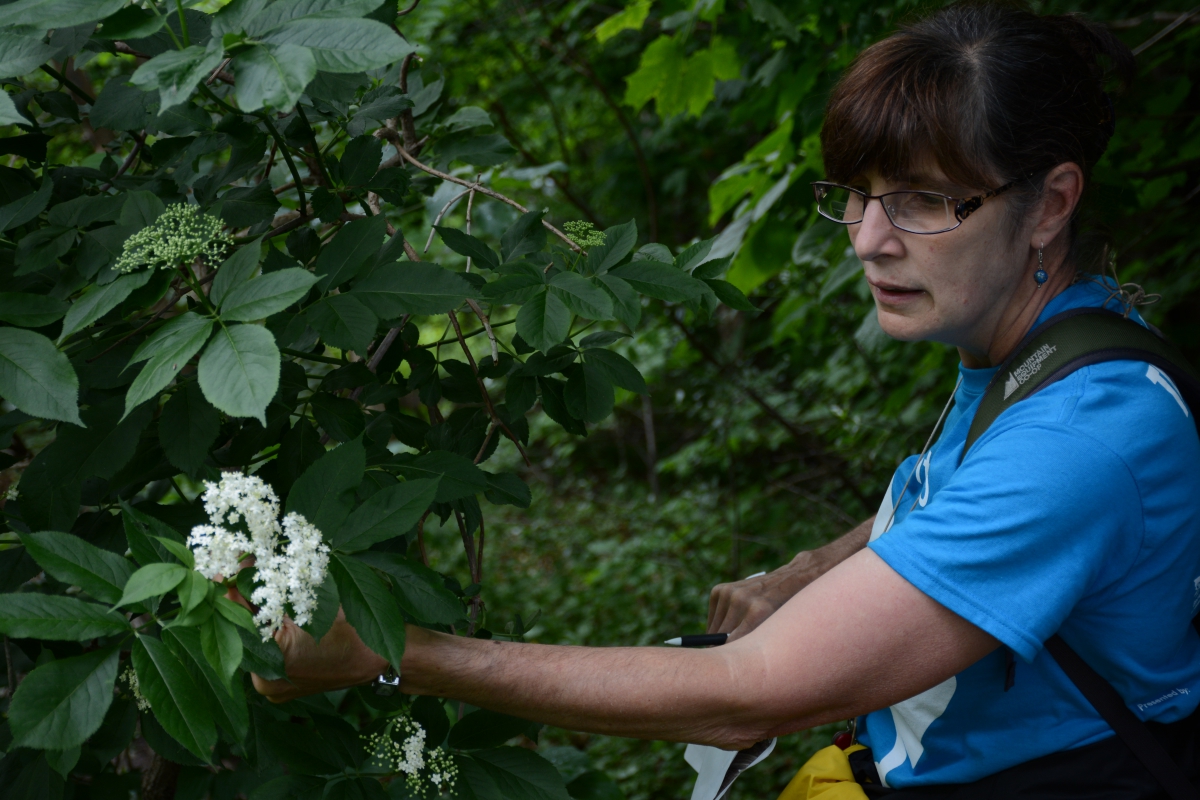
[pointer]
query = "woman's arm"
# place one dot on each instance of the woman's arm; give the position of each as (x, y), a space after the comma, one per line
(857, 639)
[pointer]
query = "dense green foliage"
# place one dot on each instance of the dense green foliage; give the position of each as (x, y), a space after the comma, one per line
(139, 357)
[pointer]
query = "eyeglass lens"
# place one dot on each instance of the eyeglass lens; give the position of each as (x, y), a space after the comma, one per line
(917, 212)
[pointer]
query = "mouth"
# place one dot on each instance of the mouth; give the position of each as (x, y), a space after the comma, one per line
(893, 294)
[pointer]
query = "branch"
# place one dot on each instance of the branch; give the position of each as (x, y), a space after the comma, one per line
(139, 140)
(487, 326)
(63, 80)
(487, 399)
(442, 213)
(394, 138)
(220, 72)
(407, 126)
(409, 10)
(1146, 45)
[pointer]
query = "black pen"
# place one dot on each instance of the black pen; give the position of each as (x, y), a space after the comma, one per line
(699, 640)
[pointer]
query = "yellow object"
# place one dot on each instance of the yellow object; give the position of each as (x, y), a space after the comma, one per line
(826, 776)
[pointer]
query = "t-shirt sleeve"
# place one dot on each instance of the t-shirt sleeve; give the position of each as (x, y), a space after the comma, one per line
(1037, 517)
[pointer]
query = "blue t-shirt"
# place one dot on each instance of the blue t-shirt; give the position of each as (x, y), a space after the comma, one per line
(1077, 512)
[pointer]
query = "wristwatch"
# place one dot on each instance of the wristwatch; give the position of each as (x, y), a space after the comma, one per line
(387, 683)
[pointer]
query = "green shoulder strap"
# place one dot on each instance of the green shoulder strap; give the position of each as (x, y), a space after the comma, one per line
(1074, 339)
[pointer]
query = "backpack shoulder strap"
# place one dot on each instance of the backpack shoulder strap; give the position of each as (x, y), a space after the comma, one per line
(1051, 352)
(1074, 339)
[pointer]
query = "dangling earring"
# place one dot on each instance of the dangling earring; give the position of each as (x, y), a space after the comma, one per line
(1040, 276)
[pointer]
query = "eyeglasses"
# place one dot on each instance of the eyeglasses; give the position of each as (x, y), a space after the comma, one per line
(912, 211)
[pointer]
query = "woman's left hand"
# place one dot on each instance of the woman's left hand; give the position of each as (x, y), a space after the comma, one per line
(339, 660)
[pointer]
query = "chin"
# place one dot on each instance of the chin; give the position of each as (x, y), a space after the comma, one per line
(902, 327)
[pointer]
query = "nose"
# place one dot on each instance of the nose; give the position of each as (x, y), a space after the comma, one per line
(875, 236)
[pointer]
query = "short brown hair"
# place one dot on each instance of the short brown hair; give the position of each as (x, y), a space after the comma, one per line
(991, 92)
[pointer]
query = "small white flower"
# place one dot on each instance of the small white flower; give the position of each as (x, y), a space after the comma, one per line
(131, 679)
(400, 746)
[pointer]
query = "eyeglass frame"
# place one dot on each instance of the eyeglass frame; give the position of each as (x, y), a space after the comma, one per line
(963, 206)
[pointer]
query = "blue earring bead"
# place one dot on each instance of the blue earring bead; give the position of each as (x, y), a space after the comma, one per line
(1041, 277)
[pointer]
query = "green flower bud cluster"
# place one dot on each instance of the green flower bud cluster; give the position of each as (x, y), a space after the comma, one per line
(180, 235)
(583, 233)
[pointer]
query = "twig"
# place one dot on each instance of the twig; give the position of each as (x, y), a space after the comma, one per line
(410, 9)
(564, 186)
(486, 440)
(421, 537)
(479, 556)
(125, 49)
(139, 139)
(286, 227)
(487, 326)
(270, 164)
(394, 139)
(442, 213)
(1182, 18)
(166, 307)
(407, 126)
(12, 671)
(63, 80)
(469, 546)
(487, 399)
(220, 69)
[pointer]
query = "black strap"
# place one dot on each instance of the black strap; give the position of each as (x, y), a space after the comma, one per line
(1051, 352)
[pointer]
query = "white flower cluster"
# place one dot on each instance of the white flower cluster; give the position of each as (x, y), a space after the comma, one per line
(180, 235)
(285, 578)
(131, 680)
(400, 746)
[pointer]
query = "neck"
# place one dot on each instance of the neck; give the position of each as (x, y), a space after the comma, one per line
(1023, 311)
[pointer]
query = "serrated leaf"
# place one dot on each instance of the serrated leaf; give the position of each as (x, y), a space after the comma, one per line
(273, 15)
(467, 245)
(30, 310)
(386, 514)
(344, 45)
(513, 289)
(360, 160)
(273, 75)
(152, 580)
(60, 704)
(582, 296)
(321, 492)
(187, 428)
(9, 116)
(506, 488)
(174, 696)
(589, 392)
(484, 729)
(459, 477)
(43, 15)
(344, 321)
(369, 607)
(602, 338)
(619, 369)
(526, 235)
(244, 206)
(418, 287)
(235, 613)
(730, 295)
(99, 300)
(21, 54)
(131, 22)
(420, 590)
(627, 306)
(544, 321)
(266, 295)
(176, 73)
(222, 646)
(169, 350)
(618, 241)
(239, 370)
(235, 270)
(511, 773)
(29, 615)
(660, 281)
(230, 711)
(23, 209)
(343, 256)
(68, 558)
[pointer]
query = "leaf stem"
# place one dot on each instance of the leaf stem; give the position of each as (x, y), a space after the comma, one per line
(310, 356)
(287, 155)
(183, 28)
(63, 80)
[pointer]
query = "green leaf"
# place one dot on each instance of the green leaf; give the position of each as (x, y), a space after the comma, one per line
(510, 773)
(342, 320)
(485, 729)
(581, 296)
(489, 150)
(236, 614)
(169, 349)
(222, 646)
(388, 513)
(342, 257)
(230, 711)
(99, 300)
(235, 270)
(43, 15)
(526, 235)
(467, 245)
(340, 417)
(678, 82)
(30, 310)
(152, 580)
(344, 45)
(131, 22)
(277, 14)
(630, 19)
(68, 558)
(264, 659)
(141, 208)
(187, 428)
(618, 369)
(239, 370)
(21, 54)
(273, 75)
(602, 338)
(589, 392)
(544, 321)
(23, 209)
(176, 73)
(660, 281)
(513, 289)
(195, 587)
(180, 551)
(505, 488)
(369, 607)
(143, 533)
(29, 615)
(360, 160)
(244, 206)
(328, 604)
(465, 118)
(324, 493)
(459, 477)
(693, 255)
(417, 287)
(421, 591)
(266, 295)
(9, 116)
(618, 241)
(123, 107)
(174, 696)
(627, 306)
(730, 295)
(60, 704)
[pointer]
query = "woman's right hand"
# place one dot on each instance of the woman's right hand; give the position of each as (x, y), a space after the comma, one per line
(339, 660)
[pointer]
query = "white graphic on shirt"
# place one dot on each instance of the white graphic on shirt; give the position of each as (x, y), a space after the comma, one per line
(912, 718)
(884, 519)
(1155, 375)
(923, 478)
(1195, 594)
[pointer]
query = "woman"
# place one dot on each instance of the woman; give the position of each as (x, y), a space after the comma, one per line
(1076, 512)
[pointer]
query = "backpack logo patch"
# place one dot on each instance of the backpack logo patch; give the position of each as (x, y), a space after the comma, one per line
(1030, 367)
(1157, 376)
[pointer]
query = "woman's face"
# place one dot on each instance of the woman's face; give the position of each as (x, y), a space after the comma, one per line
(956, 287)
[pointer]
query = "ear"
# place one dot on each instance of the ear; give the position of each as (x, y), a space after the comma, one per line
(1060, 196)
